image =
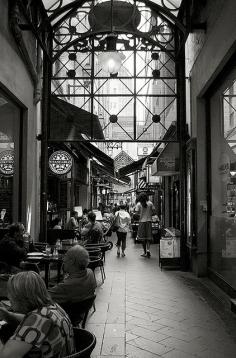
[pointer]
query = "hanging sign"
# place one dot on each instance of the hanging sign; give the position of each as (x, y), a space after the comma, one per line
(7, 162)
(60, 162)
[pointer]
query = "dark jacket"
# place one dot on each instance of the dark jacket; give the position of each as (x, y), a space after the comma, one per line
(11, 251)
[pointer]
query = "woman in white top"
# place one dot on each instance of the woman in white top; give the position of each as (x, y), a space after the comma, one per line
(123, 218)
(146, 210)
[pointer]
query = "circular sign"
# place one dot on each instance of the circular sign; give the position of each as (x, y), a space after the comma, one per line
(7, 162)
(60, 162)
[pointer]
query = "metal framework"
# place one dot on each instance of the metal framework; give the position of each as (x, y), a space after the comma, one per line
(140, 102)
(150, 87)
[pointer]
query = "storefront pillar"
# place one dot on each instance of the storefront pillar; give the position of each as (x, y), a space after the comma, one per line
(47, 73)
(181, 134)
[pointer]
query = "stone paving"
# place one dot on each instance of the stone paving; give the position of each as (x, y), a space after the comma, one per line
(143, 312)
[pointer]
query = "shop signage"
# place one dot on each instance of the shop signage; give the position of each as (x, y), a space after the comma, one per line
(7, 162)
(60, 162)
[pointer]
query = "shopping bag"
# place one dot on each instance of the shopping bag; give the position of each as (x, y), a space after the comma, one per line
(116, 223)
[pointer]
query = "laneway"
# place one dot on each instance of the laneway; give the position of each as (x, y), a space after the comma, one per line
(142, 312)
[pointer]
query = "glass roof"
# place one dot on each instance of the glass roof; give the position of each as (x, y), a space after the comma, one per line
(172, 5)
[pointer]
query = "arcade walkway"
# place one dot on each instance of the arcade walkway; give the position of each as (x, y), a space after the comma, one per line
(142, 312)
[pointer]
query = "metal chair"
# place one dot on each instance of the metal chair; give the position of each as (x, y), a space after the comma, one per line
(78, 311)
(105, 246)
(97, 261)
(85, 343)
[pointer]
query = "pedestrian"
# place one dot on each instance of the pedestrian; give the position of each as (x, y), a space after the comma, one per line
(123, 221)
(145, 209)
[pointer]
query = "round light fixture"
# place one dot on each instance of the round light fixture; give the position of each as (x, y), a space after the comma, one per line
(111, 61)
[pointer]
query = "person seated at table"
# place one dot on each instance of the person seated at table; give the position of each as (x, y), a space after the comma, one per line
(41, 328)
(80, 283)
(57, 224)
(84, 219)
(92, 232)
(73, 221)
(13, 248)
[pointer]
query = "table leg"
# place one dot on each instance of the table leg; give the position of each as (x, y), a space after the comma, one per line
(46, 269)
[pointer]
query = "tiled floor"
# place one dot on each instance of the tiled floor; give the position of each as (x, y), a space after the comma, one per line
(142, 312)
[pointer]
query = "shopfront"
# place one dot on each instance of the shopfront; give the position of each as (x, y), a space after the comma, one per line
(10, 155)
(222, 175)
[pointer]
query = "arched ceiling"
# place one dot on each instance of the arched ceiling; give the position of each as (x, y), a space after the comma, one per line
(57, 9)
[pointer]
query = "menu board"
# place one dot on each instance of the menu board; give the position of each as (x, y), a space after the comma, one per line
(98, 215)
(170, 247)
(79, 210)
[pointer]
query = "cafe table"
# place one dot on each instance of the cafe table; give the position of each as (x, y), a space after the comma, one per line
(46, 260)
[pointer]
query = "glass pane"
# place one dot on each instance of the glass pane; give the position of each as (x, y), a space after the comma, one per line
(9, 160)
(223, 163)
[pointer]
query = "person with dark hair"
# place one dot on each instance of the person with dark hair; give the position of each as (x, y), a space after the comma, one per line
(41, 328)
(84, 219)
(123, 219)
(92, 232)
(145, 209)
(73, 221)
(13, 248)
(57, 224)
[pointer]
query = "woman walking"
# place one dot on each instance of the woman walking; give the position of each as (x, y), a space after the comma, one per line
(145, 209)
(123, 219)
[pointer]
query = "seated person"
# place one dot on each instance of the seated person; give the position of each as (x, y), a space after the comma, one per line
(92, 232)
(80, 283)
(73, 221)
(41, 327)
(13, 249)
(108, 219)
(57, 224)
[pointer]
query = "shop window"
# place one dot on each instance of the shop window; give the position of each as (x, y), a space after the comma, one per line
(222, 248)
(10, 149)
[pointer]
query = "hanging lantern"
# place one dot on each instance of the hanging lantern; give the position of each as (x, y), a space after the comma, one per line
(111, 61)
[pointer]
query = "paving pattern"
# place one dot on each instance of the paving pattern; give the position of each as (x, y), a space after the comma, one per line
(143, 312)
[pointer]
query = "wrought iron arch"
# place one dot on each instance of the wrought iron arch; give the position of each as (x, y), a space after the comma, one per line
(71, 7)
(159, 40)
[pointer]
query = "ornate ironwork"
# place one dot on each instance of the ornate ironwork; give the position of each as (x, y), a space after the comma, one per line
(138, 103)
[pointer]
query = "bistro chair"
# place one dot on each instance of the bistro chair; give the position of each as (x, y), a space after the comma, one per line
(85, 343)
(104, 246)
(31, 266)
(93, 251)
(4, 277)
(97, 261)
(78, 311)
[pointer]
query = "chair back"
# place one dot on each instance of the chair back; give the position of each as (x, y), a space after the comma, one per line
(94, 251)
(78, 311)
(4, 277)
(85, 343)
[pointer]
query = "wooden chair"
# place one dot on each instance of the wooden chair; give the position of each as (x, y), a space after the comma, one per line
(85, 343)
(78, 311)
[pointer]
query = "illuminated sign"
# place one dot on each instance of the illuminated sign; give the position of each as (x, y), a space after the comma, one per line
(7, 162)
(60, 162)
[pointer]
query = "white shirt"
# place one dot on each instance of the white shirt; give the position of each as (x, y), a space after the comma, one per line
(145, 213)
(125, 220)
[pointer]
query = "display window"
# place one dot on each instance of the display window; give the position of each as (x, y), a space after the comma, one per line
(10, 152)
(222, 248)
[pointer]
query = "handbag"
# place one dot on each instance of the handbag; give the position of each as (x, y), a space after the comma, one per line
(116, 223)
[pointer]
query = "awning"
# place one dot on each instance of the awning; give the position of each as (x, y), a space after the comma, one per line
(167, 163)
(68, 122)
(104, 170)
(102, 157)
(131, 168)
